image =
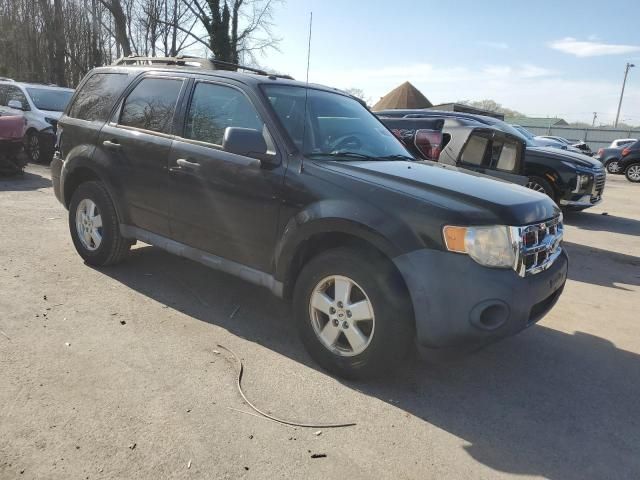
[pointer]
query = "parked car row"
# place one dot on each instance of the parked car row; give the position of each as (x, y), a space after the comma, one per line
(485, 145)
(41, 106)
(622, 160)
(301, 189)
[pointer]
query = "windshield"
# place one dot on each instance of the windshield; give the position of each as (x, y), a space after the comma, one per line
(48, 99)
(336, 125)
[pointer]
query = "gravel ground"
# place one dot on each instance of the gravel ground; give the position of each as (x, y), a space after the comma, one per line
(113, 373)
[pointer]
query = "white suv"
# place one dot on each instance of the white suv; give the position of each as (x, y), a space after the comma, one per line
(42, 106)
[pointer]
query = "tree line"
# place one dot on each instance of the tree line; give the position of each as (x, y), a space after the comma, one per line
(59, 41)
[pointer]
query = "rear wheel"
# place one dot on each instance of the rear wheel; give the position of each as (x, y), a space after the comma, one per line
(613, 166)
(353, 314)
(633, 173)
(539, 184)
(94, 226)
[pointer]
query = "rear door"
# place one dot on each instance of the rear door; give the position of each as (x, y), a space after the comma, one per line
(136, 145)
(90, 108)
(223, 203)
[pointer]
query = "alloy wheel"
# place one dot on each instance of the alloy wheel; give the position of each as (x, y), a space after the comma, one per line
(342, 315)
(533, 185)
(613, 166)
(634, 173)
(33, 145)
(89, 224)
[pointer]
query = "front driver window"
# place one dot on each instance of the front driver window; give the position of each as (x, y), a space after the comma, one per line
(214, 108)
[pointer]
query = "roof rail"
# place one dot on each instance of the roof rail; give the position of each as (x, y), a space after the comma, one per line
(6, 79)
(189, 61)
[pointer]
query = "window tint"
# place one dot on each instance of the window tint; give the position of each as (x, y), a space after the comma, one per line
(214, 108)
(97, 96)
(151, 105)
(475, 149)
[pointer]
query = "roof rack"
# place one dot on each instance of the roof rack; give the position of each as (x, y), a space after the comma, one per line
(6, 79)
(189, 61)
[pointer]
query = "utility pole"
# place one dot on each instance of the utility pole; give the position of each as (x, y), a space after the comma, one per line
(595, 115)
(626, 72)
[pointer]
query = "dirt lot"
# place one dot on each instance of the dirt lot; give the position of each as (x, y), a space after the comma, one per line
(112, 373)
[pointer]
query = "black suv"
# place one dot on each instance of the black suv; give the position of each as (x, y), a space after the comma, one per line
(575, 181)
(299, 188)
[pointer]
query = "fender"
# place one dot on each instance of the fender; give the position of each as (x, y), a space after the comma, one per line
(389, 235)
(85, 156)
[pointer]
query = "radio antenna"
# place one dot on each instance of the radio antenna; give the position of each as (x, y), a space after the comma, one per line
(306, 94)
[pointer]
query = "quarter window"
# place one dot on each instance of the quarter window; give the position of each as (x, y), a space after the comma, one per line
(97, 96)
(151, 105)
(214, 108)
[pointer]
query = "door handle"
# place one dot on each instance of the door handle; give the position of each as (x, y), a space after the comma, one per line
(187, 165)
(111, 145)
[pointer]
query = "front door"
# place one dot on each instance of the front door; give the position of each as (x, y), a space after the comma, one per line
(223, 203)
(136, 145)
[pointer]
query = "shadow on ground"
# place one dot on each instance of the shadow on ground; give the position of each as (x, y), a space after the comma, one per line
(602, 267)
(545, 403)
(602, 223)
(23, 182)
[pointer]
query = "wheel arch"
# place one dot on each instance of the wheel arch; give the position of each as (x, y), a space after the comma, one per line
(327, 235)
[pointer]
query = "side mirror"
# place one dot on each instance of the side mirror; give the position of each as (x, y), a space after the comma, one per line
(246, 142)
(17, 104)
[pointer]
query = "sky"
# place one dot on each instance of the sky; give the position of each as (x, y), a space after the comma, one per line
(559, 58)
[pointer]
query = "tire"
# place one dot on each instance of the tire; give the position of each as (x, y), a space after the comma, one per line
(381, 342)
(633, 173)
(613, 167)
(539, 184)
(32, 147)
(103, 245)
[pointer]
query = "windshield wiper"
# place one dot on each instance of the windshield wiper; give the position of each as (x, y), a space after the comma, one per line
(347, 155)
(398, 157)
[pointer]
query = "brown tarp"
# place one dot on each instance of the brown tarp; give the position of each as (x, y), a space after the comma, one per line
(404, 96)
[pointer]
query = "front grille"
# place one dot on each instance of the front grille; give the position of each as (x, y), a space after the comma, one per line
(537, 246)
(599, 180)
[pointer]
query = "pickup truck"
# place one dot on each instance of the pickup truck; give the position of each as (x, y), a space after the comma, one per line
(573, 180)
(300, 189)
(464, 143)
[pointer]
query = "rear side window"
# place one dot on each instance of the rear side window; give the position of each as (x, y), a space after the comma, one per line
(214, 108)
(151, 105)
(97, 96)
(504, 155)
(475, 150)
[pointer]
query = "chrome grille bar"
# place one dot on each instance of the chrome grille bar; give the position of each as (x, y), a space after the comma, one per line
(537, 246)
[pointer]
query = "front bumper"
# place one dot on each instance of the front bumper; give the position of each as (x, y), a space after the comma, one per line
(584, 201)
(459, 303)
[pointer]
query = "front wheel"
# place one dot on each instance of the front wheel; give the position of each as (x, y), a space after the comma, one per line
(633, 173)
(353, 313)
(539, 184)
(33, 148)
(613, 166)
(94, 226)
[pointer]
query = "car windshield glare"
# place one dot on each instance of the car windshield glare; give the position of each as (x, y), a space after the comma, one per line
(48, 99)
(332, 125)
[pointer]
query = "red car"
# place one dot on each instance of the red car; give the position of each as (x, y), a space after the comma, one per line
(12, 129)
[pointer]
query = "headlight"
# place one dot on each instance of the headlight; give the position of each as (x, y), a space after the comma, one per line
(490, 246)
(582, 181)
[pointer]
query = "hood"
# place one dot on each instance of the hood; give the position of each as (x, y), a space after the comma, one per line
(479, 196)
(579, 159)
(52, 114)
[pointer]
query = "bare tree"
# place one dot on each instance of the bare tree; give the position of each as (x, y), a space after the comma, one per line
(236, 29)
